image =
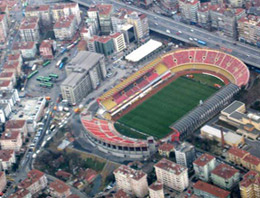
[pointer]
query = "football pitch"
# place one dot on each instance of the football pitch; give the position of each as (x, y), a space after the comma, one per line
(154, 116)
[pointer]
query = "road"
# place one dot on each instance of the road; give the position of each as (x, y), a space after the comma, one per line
(248, 54)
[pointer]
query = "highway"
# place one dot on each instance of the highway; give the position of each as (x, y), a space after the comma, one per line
(158, 23)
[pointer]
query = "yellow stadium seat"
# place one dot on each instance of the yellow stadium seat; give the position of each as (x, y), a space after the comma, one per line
(108, 103)
(160, 69)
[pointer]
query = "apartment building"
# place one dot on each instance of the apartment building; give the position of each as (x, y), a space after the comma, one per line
(9, 97)
(35, 182)
(119, 19)
(3, 27)
(14, 67)
(22, 193)
(84, 73)
(185, 154)
(102, 13)
(189, 9)
(237, 3)
(101, 44)
(47, 49)
(59, 189)
(64, 10)
(131, 181)
(156, 190)
(43, 12)
(251, 162)
(119, 41)
(204, 165)
(65, 28)
(236, 155)
(27, 49)
(249, 29)
(11, 141)
(250, 185)
(225, 176)
(203, 15)
(29, 29)
(165, 149)
(7, 159)
(172, 175)
(2, 181)
(140, 24)
(203, 189)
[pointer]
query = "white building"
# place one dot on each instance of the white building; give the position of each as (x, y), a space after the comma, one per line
(119, 41)
(156, 190)
(203, 166)
(189, 9)
(185, 154)
(11, 141)
(7, 159)
(172, 175)
(27, 49)
(41, 11)
(29, 29)
(131, 181)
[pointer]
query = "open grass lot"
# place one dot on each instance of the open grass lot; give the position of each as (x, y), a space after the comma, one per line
(208, 79)
(156, 114)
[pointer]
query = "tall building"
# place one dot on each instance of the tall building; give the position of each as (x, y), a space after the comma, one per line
(156, 190)
(119, 19)
(131, 181)
(102, 13)
(64, 10)
(203, 189)
(3, 27)
(140, 24)
(59, 189)
(65, 28)
(43, 12)
(225, 176)
(203, 15)
(29, 29)
(172, 175)
(129, 33)
(84, 73)
(249, 29)
(101, 44)
(203, 166)
(119, 41)
(35, 182)
(189, 9)
(250, 185)
(185, 154)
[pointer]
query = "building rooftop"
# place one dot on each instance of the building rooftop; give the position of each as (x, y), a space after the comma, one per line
(46, 44)
(184, 147)
(32, 177)
(103, 9)
(237, 152)
(5, 155)
(237, 115)
(121, 194)
(157, 185)
(166, 147)
(64, 22)
(14, 124)
(14, 57)
(37, 8)
(211, 189)
(134, 174)
(233, 137)
(203, 159)
(225, 171)
(13, 64)
(73, 79)
(6, 74)
(29, 23)
(23, 45)
(249, 178)
(170, 166)
(4, 83)
(10, 135)
(22, 193)
(233, 107)
(90, 174)
(252, 160)
(59, 186)
(59, 6)
(115, 35)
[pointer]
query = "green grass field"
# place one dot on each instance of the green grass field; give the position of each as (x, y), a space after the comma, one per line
(208, 80)
(155, 115)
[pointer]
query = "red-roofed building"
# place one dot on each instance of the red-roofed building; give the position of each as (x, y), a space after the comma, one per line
(188, 9)
(156, 190)
(27, 49)
(6, 85)
(35, 182)
(250, 186)
(63, 174)
(40, 11)
(8, 76)
(101, 44)
(47, 49)
(203, 189)
(22, 193)
(165, 149)
(251, 162)
(59, 189)
(11, 141)
(7, 159)
(132, 181)
(204, 165)
(73, 196)
(2, 181)
(14, 66)
(236, 155)
(203, 15)
(13, 57)
(29, 29)
(17, 125)
(225, 176)
(121, 194)
(172, 175)
(82, 45)
(3, 27)
(65, 28)
(90, 175)
(119, 41)
(61, 10)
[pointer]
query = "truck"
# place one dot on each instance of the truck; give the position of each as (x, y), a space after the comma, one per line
(48, 98)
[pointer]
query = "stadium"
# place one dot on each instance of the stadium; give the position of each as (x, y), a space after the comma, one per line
(162, 101)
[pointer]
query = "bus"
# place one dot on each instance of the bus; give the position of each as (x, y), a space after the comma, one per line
(32, 74)
(46, 79)
(53, 76)
(39, 78)
(70, 46)
(58, 63)
(46, 63)
(64, 50)
(202, 42)
(61, 65)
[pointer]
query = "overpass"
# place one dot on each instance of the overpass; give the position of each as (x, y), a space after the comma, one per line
(159, 24)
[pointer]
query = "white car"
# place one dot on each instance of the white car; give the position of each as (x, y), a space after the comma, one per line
(156, 23)
(191, 39)
(195, 39)
(168, 31)
(180, 32)
(191, 30)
